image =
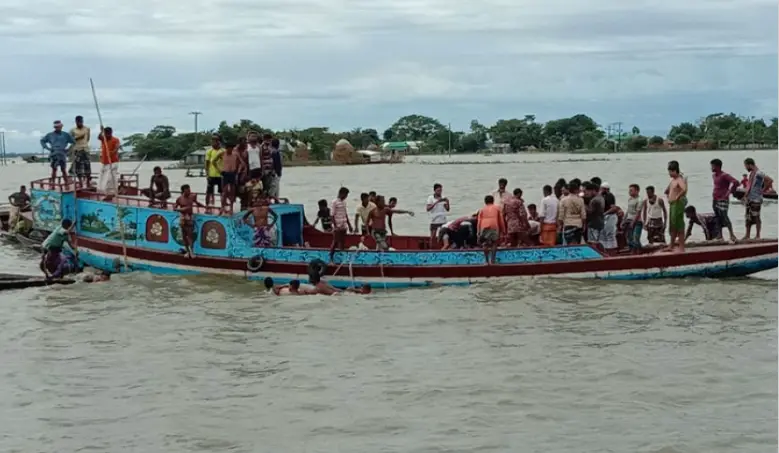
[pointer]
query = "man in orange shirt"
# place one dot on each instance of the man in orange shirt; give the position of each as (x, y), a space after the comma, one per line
(109, 158)
(491, 227)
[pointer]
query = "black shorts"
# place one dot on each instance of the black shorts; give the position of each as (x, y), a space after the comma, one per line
(213, 182)
(255, 173)
(229, 177)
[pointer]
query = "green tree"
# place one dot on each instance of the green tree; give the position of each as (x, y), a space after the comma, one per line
(133, 140)
(687, 129)
(519, 133)
(469, 143)
(416, 127)
(387, 135)
(571, 130)
(636, 130)
(682, 139)
(637, 142)
(656, 140)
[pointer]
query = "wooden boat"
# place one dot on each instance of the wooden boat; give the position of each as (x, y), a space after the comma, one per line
(127, 234)
(739, 194)
(15, 281)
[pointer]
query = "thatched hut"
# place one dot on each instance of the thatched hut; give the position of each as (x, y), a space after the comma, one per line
(344, 152)
(301, 152)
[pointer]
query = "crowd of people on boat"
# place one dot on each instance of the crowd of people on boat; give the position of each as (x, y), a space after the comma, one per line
(73, 146)
(571, 212)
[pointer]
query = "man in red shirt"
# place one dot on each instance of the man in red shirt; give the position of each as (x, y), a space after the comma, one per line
(724, 186)
(109, 158)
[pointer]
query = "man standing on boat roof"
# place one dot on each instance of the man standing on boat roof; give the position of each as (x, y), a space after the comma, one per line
(213, 169)
(253, 160)
(80, 164)
(58, 143)
(266, 163)
(274, 180)
(109, 159)
(724, 186)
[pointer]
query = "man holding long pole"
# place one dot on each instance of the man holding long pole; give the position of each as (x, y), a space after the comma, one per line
(109, 158)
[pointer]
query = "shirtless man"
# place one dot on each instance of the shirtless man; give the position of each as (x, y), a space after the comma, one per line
(259, 214)
(326, 289)
(159, 189)
(377, 219)
(231, 162)
(293, 289)
(677, 201)
(184, 205)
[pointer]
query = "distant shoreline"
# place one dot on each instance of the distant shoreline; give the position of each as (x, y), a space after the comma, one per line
(331, 163)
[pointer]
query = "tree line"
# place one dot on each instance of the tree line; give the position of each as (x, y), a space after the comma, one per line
(576, 133)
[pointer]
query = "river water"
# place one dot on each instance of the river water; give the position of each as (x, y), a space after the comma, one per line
(168, 364)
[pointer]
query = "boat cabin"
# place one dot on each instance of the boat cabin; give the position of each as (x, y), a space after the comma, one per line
(133, 219)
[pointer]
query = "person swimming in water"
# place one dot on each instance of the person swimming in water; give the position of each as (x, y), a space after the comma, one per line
(320, 287)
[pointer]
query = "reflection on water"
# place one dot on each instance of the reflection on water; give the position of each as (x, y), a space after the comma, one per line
(156, 363)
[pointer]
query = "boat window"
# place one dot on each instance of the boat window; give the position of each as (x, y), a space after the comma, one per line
(291, 231)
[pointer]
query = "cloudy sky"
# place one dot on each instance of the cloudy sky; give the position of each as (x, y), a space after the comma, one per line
(350, 63)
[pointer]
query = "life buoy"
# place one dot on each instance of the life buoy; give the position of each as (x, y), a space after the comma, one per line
(255, 263)
(317, 267)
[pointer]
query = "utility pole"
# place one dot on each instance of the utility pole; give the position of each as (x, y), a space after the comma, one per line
(196, 114)
(752, 123)
(2, 146)
(618, 145)
(450, 139)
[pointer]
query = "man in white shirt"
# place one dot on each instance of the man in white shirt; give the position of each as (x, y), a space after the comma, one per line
(548, 217)
(253, 155)
(501, 193)
(437, 206)
(363, 213)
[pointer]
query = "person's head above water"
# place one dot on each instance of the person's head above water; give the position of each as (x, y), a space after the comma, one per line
(294, 285)
(268, 282)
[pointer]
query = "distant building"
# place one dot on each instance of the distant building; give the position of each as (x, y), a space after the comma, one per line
(499, 148)
(196, 157)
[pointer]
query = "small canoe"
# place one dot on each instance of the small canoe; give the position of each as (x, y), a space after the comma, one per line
(739, 194)
(16, 281)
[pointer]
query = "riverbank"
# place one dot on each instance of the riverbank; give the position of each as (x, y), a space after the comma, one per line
(667, 150)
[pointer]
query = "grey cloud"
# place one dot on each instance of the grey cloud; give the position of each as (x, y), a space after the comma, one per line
(349, 63)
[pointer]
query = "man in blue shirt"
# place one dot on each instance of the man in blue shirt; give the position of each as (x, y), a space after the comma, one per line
(54, 263)
(58, 142)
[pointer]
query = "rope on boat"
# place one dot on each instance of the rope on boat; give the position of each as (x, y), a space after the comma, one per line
(113, 179)
(381, 267)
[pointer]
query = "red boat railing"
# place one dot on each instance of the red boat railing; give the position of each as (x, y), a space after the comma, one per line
(126, 183)
(144, 202)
